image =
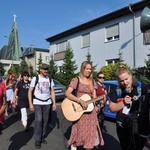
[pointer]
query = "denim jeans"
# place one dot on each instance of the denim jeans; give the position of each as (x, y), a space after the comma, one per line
(41, 118)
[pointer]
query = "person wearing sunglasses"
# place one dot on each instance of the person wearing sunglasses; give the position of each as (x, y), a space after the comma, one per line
(21, 97)
(101, 90)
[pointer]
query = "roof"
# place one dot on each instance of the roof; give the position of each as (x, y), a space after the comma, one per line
(118, 13)
(31, 50)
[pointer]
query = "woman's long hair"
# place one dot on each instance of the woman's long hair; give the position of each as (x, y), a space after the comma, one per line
(83, 66)
(81, 75)
(8, 80)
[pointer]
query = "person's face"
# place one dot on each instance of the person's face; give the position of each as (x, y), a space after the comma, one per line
(25, 77)
(87, 70)
(125, 80)
(101, 78)
(44, 72)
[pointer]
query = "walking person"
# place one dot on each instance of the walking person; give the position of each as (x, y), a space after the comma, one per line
(21, 97)
(10, 86)
(101, 90)
(2, 102)
(43, 96)
(121, 101)
(85, 131)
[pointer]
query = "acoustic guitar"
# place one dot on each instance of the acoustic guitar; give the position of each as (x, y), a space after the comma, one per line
(73, 111)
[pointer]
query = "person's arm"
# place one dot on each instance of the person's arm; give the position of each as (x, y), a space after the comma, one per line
(15, 96)
(121, 103)
(30, 99)
(70, 96)
(53, 98)
(2, 109)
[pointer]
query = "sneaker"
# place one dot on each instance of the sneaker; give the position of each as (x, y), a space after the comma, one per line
(73, 148)
(44, 142)
(50, 126)
(37, 144)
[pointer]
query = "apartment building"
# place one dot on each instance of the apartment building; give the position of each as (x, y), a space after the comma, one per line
(105, 38)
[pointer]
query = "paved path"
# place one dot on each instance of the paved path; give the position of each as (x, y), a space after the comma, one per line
(15, 138)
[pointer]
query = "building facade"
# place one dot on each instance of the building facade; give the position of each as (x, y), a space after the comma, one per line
(105, 38)
(31, 56)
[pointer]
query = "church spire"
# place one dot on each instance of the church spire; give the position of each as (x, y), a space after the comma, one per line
(14, 47)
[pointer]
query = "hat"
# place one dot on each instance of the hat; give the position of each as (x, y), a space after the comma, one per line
(44, 66)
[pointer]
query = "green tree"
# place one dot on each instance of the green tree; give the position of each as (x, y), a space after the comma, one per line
(88, 56)
(39, 62)
(68, 68)
(110, 70)
(53, 69)
(31, 72)
(23, 66)
(13, 70)
(2, 70)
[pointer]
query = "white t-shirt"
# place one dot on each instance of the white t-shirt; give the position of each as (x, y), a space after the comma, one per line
(42, 90)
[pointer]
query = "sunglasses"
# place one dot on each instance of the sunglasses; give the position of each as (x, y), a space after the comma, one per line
(26, 75)
(101, 77)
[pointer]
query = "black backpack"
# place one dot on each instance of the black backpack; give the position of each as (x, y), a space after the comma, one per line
(139, 118)
(36, 81)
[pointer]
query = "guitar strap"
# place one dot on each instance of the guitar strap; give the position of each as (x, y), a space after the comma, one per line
(74, 92)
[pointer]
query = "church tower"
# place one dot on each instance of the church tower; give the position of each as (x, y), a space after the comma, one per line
(14, 48)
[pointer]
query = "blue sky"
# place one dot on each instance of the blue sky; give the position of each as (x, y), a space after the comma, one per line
(40, 19)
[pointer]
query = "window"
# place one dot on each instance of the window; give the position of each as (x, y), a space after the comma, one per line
(86, 40)
(47, 58)
(146, 38)
(61, 47)
(112, 33)
(112, 61)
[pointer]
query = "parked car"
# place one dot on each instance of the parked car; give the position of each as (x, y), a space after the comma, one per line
(59, 90)
(110, 86)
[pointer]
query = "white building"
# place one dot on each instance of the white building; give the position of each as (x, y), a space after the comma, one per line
(105, 37)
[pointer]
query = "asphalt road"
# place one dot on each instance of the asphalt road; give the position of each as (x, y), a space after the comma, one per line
(14, 137)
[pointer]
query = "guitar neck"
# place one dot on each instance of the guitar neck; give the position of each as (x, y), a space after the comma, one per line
(99, 98)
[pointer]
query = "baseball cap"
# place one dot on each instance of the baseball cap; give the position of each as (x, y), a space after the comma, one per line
(44, 66)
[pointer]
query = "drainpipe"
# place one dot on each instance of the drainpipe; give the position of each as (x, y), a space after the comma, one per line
(134, 61)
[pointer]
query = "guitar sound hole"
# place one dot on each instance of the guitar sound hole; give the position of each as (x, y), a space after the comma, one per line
(73, 107)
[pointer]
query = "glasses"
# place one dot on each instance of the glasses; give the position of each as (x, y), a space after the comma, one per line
(26, 75)
(101, 77)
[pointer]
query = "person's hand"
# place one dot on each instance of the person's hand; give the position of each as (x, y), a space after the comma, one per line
(31, 107)
(97, 108)
(54, 106)
(83, 104)
(127, 100)
(13, 101)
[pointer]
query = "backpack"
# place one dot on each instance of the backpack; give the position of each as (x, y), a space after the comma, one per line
(139, 118)
(36, 82)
